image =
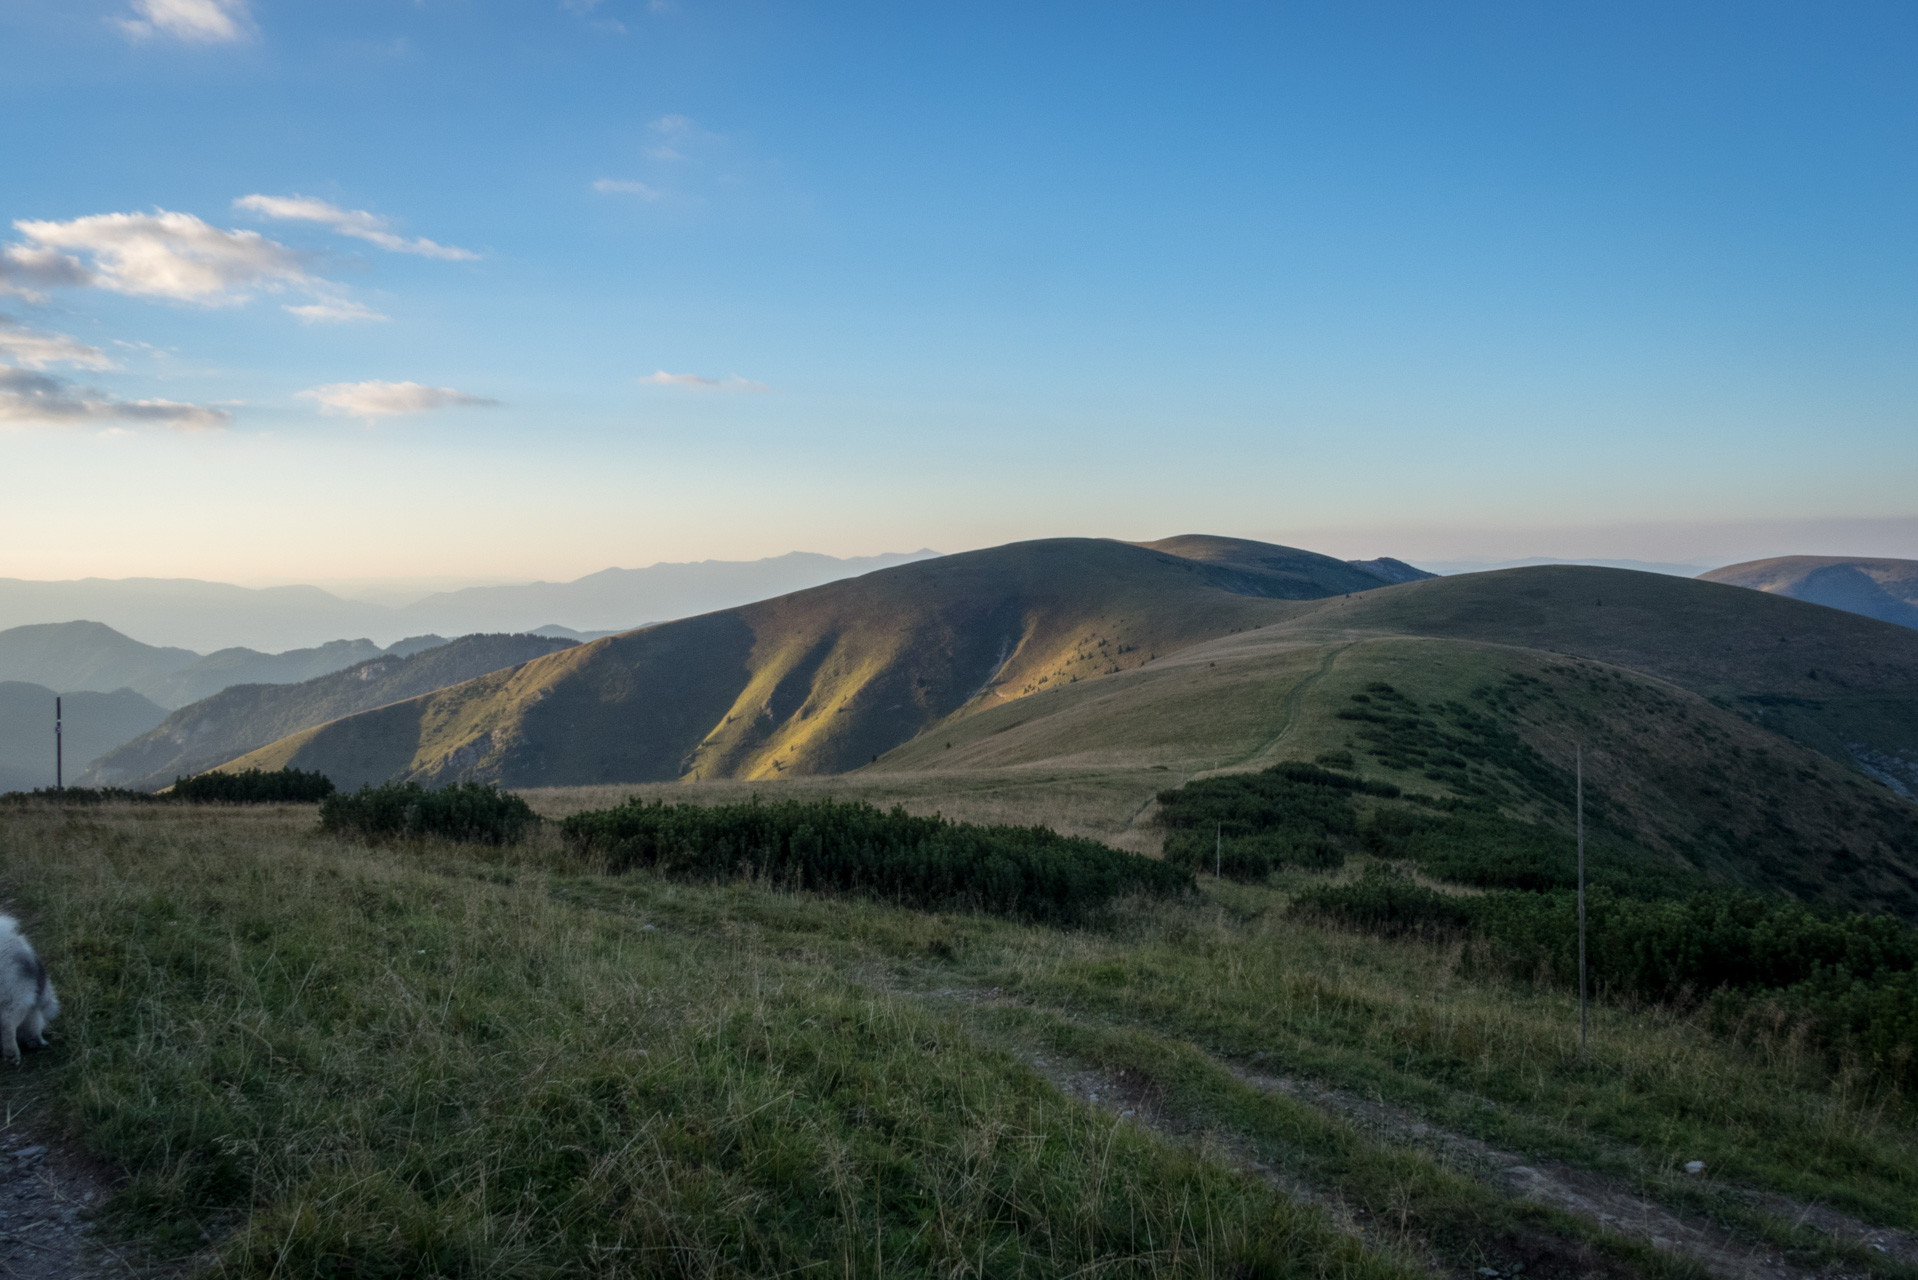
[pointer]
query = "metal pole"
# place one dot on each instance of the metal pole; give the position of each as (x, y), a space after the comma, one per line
(1583, 1016)
(1218, 851)
(59, 781)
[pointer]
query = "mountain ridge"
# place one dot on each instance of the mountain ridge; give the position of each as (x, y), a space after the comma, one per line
(822, 680)
(241, 717)
(1877, 587)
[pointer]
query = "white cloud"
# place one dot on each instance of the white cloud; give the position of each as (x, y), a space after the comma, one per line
(335, 311)
(622, 186)
(195, 21)
(372, 400)
(357, 223)
(40, 399)
(734, 383)
(31, 349)
(157, 255)
(676, 134)
(26, 271)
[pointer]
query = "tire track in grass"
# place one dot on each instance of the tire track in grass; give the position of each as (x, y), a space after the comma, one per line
(1396, 1198)
(1579, 1192)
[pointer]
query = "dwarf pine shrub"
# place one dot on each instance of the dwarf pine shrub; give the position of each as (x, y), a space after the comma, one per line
(478, 812)
(1247, 825)
(75, 795)
(254, 786)
(840, 847)
(1848, 981)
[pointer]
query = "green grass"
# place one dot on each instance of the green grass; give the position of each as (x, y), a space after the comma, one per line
(432, 1059)
(343, 1061)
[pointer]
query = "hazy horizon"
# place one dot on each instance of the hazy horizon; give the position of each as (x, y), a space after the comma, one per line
(1665, 547)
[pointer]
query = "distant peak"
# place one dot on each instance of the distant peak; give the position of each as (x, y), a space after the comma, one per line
(1392, 570)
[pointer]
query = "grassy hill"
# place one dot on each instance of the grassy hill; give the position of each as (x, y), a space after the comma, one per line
(1877, 588)
(246, 716)
(1733, 731)
(822, 681)
(1706, 740)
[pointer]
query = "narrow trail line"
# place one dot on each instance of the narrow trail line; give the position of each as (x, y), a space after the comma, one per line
(1601, 1199)
(1294, 703)
(1137, 1099)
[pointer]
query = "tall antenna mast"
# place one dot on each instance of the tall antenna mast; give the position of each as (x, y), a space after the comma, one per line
(59, 781)
(1583, 1015)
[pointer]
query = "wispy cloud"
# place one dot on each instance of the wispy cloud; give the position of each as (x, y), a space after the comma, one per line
(357, 223)
(623, 186)
(155, 255)
(373, 400)
(334, 311)
(194, 21)
(676, 134)
(31, 349)
(698, 383)
(40, 399)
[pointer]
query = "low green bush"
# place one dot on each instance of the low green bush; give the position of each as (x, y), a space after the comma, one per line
(1246, 825)
(472, 811)
(1848, 983)
(1386, 900)
(837, 847)
(254, 786)
(76, 795)
(1472, 845)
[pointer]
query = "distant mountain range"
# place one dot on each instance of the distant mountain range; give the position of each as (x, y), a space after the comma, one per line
(74, 657)
(245, 716)
(1883, 589)
(204, 616)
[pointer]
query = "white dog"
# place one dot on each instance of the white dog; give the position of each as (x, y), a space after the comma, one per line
(27, 1002)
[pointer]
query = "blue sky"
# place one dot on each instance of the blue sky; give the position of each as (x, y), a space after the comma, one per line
(457, 290)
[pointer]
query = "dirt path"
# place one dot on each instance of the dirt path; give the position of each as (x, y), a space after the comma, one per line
(1294, 703)
(1139, 1100)
(45, 1196)
(1604, 1200)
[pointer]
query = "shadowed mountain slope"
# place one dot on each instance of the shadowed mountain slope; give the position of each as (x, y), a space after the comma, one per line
(1882, 589)
(243, 717)
(94, 722)
(1283, 573)
(821, 681)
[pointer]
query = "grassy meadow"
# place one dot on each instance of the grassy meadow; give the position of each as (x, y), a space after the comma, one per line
(309, 1056)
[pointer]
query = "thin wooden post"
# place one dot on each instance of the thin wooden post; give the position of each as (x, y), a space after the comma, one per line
(1584, 1017)
(1218, 851)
